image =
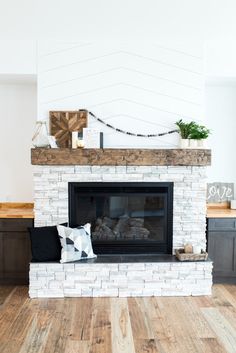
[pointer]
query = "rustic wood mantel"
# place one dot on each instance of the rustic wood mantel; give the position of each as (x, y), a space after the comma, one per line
(121, 157)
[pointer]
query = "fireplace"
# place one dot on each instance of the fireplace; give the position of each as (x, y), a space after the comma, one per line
(126, 218)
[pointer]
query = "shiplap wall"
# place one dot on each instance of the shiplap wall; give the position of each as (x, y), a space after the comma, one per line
(140, 87)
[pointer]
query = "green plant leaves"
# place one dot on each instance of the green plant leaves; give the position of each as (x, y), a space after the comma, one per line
(192, 130)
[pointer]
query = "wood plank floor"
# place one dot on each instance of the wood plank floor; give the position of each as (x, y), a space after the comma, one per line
(116, 325)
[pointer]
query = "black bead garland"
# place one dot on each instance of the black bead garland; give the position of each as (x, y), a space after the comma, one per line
(131, 133)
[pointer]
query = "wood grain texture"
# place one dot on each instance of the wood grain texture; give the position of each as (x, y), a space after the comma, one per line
(15, 250)
(222, 328)
(4, 293)
(132, 157)
(118, 325)
(122, 338)
(62, 123)
(101, 326)
(81, 320)
(16, 210)
(221, 213)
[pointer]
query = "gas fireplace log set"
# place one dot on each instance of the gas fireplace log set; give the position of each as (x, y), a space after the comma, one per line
(124, 228)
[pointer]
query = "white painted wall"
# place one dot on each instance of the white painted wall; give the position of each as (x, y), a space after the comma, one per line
(221, 118)
(17, 120)
(220, 63)
(118, 19)
(138, 87)
(220, 58)
(18, 57)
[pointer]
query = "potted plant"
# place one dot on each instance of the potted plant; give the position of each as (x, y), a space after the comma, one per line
(198, 136)
(184, 131)
(192, 134)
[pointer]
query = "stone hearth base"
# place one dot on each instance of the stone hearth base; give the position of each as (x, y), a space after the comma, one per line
(136, 279)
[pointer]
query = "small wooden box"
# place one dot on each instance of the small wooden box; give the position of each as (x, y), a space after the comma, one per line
(182, 256)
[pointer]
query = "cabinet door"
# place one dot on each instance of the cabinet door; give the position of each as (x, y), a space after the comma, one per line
(1, 255)
(16, 256)
(221, 249)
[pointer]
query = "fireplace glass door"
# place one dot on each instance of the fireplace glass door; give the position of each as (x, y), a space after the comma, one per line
(124, 217)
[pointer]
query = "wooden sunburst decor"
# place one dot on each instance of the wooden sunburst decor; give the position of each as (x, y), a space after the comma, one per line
(62, 123)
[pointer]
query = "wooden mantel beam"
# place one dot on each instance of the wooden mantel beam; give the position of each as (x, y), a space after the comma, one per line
(121, 157)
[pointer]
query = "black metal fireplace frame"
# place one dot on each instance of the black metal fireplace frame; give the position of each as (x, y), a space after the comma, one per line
(127, 247)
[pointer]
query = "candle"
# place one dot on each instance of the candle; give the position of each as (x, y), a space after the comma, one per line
(188, 248)
(74, 139)
(233, 204)
(80, 143)
(197, 249)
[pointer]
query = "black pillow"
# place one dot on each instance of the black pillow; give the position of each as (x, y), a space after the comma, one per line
(45, 244)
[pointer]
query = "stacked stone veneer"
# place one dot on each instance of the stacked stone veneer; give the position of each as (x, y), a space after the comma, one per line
(131, 279)
(120, 280)
(189, 221)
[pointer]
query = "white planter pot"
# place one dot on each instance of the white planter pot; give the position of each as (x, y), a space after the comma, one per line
(184, 143)
(201, 143)
(193, 143)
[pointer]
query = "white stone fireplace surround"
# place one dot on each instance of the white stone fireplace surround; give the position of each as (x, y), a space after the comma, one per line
(189, 204)
(132, 279)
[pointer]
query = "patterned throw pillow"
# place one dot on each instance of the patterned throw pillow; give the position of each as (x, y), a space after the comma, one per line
(76, 243)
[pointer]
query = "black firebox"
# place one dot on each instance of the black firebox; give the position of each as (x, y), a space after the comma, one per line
(126, 218)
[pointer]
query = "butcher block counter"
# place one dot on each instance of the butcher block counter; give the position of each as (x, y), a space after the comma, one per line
(221, 213)
(15, 252)
(16, 210)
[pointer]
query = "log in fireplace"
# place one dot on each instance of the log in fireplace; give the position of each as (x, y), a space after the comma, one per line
(126, 218)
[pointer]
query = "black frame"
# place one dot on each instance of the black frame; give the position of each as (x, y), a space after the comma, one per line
(134, 188)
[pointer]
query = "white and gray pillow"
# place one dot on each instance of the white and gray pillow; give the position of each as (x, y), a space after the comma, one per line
(76, 243)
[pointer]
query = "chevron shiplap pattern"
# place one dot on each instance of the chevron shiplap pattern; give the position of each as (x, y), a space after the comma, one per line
(140, 87)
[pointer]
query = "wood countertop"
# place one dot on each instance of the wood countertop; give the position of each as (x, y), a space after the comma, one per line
(16, 210)
(221, 213)
(26, 210)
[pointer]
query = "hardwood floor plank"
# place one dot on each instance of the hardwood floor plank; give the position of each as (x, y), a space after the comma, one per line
(116, 325)
(101, 326)
(141, 327)
(196, 322)
(218, 298)
(60, 327)
(77, 346)
(5, 291)
(37, 335)
(81, 321)
(229, 314)
(231, 288)
(210, 345)
(122, 337)
(12, 346)
(202, 302)
(161, 327)
(146, 346)
(20, 325)
(223, 329)
(11, 310)
(226, 293)
(179, 323)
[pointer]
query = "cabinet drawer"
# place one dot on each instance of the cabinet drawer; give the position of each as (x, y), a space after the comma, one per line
(15, 224)
(219, 224)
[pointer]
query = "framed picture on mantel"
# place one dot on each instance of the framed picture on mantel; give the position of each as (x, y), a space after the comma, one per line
(92, 138)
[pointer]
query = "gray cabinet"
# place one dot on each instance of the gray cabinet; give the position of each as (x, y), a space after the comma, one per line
(15, 253)
(221, 240)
